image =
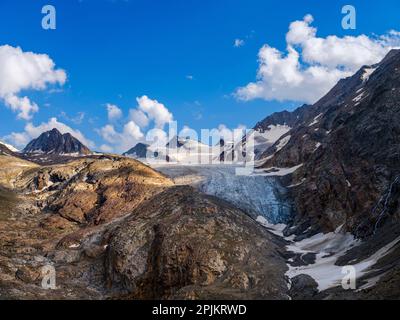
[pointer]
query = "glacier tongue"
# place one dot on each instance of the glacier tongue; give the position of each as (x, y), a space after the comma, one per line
(256, 195)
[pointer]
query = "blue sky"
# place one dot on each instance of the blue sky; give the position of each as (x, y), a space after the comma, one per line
(115, 51)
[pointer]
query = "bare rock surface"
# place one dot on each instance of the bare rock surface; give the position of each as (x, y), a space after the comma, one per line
(54, 142)
(182, 244)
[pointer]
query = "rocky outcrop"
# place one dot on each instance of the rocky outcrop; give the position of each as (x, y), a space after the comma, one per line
(290, 119)
(93, 190)
(11, 168)
(303, 287)
(182, 244)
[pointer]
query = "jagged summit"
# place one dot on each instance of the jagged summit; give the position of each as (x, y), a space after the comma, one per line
(54, 142)
(139, 151)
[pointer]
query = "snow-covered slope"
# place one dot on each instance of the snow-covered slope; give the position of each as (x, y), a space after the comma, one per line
(188, 151)
(256, 142)
(9, 146)
(178, 151)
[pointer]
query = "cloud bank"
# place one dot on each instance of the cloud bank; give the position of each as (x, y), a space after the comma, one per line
(20, 71)
(147, 111)
(155, 111)
(312, 65)
(114, 113)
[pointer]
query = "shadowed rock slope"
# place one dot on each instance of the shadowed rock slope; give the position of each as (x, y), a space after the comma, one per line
(54, 142)
(182, 244)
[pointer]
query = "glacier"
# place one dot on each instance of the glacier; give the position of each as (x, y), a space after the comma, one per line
(256, 195)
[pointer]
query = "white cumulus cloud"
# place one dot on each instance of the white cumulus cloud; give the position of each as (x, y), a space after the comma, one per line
(113, 112)
(312, 65)
(157, 138)
(155, 111)
(106, 148)
(20, 71)
(120, 141)
(238, 43)
(139, 117)
(120, 137)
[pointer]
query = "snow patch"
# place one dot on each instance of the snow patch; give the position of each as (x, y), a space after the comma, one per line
(297, 184)
(367, 74)
(328, 248)
(9, 146)
(317, 145)
(359, 97)
(276, 172)
(316, 120)
(282, 143)
(275, 132)
(276, 229)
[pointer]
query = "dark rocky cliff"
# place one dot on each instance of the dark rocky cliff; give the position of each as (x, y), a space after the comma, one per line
(53, 142)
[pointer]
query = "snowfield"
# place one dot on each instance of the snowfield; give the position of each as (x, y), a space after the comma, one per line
(329, 248)
(9, 146)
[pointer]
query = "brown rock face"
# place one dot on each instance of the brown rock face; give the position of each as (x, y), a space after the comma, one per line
(185, 245)
(51, 215)
(94, 191)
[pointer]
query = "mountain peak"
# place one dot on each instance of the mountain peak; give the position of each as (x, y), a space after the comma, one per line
(394, 53)
(54, 142)
(139, 151)
(55, 130)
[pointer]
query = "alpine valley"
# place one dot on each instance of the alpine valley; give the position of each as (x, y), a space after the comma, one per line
(323, 199)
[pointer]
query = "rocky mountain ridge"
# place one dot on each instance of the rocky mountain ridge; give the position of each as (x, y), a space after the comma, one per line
(54, 142)
(4, 150)
(139, 151)
(348, 146)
